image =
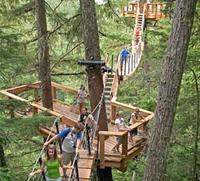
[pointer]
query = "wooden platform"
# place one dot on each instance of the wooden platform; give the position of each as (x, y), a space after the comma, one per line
(153, 11)
(85, 165)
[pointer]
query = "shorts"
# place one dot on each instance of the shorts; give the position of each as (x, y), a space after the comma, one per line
(68, 157)
(53, 179)
(119, 140)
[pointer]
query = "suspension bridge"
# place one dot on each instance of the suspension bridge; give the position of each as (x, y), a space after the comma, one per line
(98, 149)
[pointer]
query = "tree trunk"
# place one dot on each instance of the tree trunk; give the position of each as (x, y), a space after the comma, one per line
(2, 157)
(92, 49)
(196, 155)
(43, 54)
(175, 59)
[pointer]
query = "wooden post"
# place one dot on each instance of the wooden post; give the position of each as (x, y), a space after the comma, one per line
(11, 110)
(125, 144)
(35, 110)
(102, 151)
(53, 92)
(113, 112)
(36, 95)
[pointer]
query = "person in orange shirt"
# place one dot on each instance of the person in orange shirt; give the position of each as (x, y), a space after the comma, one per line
(137, 35)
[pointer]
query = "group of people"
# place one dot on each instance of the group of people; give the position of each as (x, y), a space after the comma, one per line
(71, 142)
(121, 126)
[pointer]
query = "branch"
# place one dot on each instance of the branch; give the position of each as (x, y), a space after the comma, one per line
(58, 74)
(58, 5)
(63, 56)
(23, 154)
(110, 6)
(24, 9)
(57, 28)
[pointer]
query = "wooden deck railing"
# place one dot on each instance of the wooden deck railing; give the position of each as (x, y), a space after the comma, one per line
(153, 10)
(103, 135)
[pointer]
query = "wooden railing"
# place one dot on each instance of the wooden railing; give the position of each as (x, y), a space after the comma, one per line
(153, 10)
(103, 135)
(115, 104)
(12, 93)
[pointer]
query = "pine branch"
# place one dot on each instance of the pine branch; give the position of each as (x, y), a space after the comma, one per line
(67, 74)
(63, 56)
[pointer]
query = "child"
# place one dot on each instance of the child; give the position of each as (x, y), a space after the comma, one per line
(82, 94)
(120, 124)
(135, 117)
(51, 162)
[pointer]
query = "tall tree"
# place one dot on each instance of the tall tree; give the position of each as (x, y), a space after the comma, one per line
(43, 54)
(169, 90)
(92, 49)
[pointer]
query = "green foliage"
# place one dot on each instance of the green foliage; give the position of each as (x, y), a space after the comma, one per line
(18, 62)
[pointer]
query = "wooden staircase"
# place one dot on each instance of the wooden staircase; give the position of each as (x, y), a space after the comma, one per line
(108, 91)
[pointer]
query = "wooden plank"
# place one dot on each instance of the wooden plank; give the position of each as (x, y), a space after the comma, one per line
(61, 102)
(68, 121)
(64, 88)
(45, 109)
(102, 151)
(112, 133)
(136, 151)
(13, 96)
(45, 131)
(83, 173)
(131, 108)
(124, 144)
(85, 163)
(112, 164)
(22, 88)
(83, 154)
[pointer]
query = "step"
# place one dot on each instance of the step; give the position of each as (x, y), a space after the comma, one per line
(108, 84)
(110, 75)
(107, 92)
(107, 95)
(107, 101)
(108, 89)
(109, 79)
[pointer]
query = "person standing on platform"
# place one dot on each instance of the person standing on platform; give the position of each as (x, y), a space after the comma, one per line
(123, 55)
(120, 124)
(82, 94)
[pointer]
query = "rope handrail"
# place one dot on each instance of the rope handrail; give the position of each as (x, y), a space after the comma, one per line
(84, 132)
(43, 148)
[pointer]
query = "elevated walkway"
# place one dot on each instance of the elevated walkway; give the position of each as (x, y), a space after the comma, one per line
(68, 115)
(153, 11)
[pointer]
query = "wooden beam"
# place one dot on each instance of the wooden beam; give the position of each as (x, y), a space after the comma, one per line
(129, 107)
(10, 95)
(68, 121)
(22, 88)
(112, 133)
(102, 151)
(124, 144)
(64, 88)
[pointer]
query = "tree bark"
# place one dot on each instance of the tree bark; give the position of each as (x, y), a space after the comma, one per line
(2, 157)
(43, 54)
(175, 59)
(92, 49)
(196, 155)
